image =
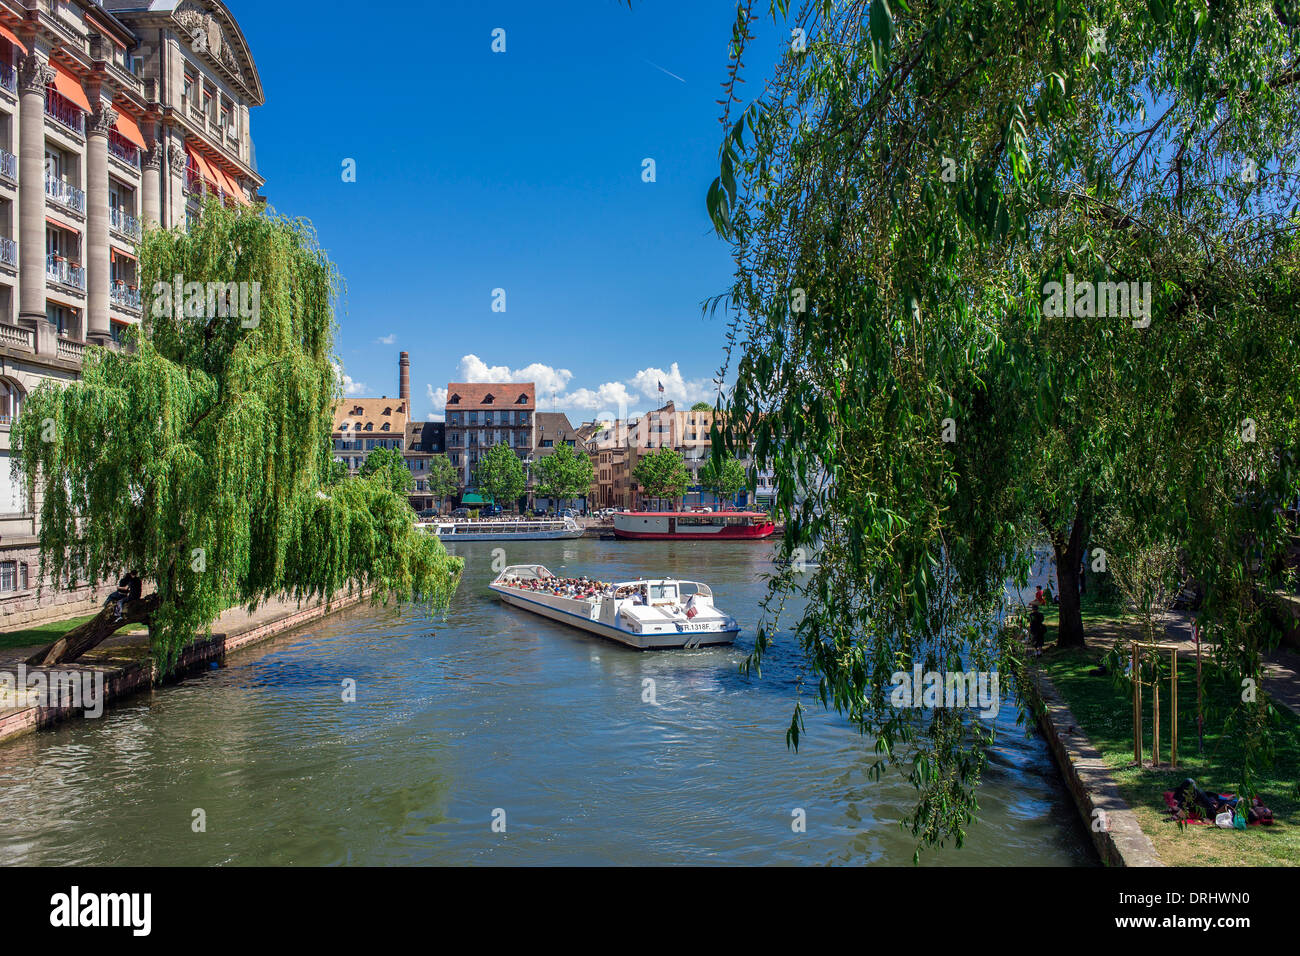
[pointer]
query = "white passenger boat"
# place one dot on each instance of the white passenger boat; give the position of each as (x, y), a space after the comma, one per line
(648, 614)
(504, 529)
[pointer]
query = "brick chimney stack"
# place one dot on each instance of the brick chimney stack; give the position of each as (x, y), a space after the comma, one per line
(404, 376)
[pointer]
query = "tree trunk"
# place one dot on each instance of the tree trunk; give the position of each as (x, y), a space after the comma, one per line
(1069, 628)
(94, 632)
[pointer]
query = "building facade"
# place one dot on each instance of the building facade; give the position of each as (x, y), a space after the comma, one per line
(480, 415)
(113, 114)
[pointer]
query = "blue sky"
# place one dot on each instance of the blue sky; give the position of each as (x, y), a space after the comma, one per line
(518, 170)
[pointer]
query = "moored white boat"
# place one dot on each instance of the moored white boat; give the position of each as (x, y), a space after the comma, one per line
(504, 529)
(650, 614)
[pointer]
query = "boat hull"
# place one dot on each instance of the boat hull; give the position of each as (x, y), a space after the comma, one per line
(642, 642)
(513, 536)
(692, 526)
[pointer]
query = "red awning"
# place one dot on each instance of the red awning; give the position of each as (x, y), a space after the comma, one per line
(204, 169)
(9, 35)
(70, 87)
(129, 130)
(122, 254)
(62, 225)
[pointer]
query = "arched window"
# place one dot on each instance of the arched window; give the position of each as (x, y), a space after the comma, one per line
(11, 400)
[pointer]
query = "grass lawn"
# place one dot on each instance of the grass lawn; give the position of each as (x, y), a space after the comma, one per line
(47, 633)
(1105, 714)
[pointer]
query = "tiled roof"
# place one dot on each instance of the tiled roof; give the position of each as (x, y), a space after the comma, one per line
(369, 416)
(553, 427)
(504, 394)
(425, 437)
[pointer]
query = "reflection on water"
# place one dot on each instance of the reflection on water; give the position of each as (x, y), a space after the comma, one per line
(495, 709)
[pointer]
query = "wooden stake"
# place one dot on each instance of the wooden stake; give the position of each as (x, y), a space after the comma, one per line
(1173, 706)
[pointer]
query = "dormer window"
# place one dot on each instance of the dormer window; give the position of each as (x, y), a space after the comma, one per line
(488, 399)
(343, 427)
(522, 400)
(454, 400)
(388, 410)
(384, 427)
(370, 426)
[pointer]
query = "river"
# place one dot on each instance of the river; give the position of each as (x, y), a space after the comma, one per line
(496, 714)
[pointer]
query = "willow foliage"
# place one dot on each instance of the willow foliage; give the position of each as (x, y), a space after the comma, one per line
(200, 454)
(899, 198)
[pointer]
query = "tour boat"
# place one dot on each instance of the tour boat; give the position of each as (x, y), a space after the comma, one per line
(504, 529)
(654, 614)
(692, 525)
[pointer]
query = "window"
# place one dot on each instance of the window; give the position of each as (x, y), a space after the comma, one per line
(188, 98)
(11, 400)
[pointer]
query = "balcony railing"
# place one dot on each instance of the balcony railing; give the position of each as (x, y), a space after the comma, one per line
(125, 224)
(65, 194)
(8, 252)
(65, 273)
(9, 77)
(70, 349)
(8, 165)
(127, 152)
(64, 113)
(14, 335)
(124, 295)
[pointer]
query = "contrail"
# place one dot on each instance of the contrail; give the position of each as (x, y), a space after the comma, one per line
(669, 72)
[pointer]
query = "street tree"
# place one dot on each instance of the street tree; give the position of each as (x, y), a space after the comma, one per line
(500, 474)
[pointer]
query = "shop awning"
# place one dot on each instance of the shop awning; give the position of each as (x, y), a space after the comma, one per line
(68, 86)
(475, 500)
(62, 225)
(121, 254)
(9, 35)
(129, 130)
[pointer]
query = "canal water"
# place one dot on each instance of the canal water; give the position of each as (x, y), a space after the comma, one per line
(496, 714)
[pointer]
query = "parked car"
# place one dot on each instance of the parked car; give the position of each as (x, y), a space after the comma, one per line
(460, 513)
(428, 514)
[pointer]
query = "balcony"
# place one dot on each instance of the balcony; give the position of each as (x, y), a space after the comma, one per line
(70, 349)
(123, 151)
(65, 114)
(8, 252)
(9, 78)
(17, 337)
(65, 194)
(127, 225)
(124, 296)
(68, 274)
(8, 166)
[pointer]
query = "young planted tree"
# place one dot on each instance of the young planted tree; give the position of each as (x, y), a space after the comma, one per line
(996, 262)
(662, 474)
(200, 456)
(389, 464)
(442, 478)
(724, 479)
(500, 474)
(563, 474)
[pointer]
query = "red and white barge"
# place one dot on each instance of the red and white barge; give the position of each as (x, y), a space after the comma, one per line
(693, 525)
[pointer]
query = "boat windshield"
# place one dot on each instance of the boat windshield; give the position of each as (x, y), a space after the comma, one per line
(663, 592)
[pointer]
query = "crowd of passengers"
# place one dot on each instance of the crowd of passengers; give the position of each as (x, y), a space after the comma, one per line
(581, 588)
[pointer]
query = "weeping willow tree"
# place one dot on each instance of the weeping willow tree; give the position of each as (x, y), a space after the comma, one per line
(199, 455)
(1000, 263)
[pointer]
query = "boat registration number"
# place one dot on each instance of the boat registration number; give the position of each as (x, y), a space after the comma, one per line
(696, 627)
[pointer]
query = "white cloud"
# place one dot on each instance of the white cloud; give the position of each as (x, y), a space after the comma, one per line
(676, 388)
(350, 387)
(548, 379)
(614, 399)
(390, 339)
(438, 399)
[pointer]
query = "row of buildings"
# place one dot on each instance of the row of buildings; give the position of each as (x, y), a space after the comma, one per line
(480, 415)
(113, 114)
